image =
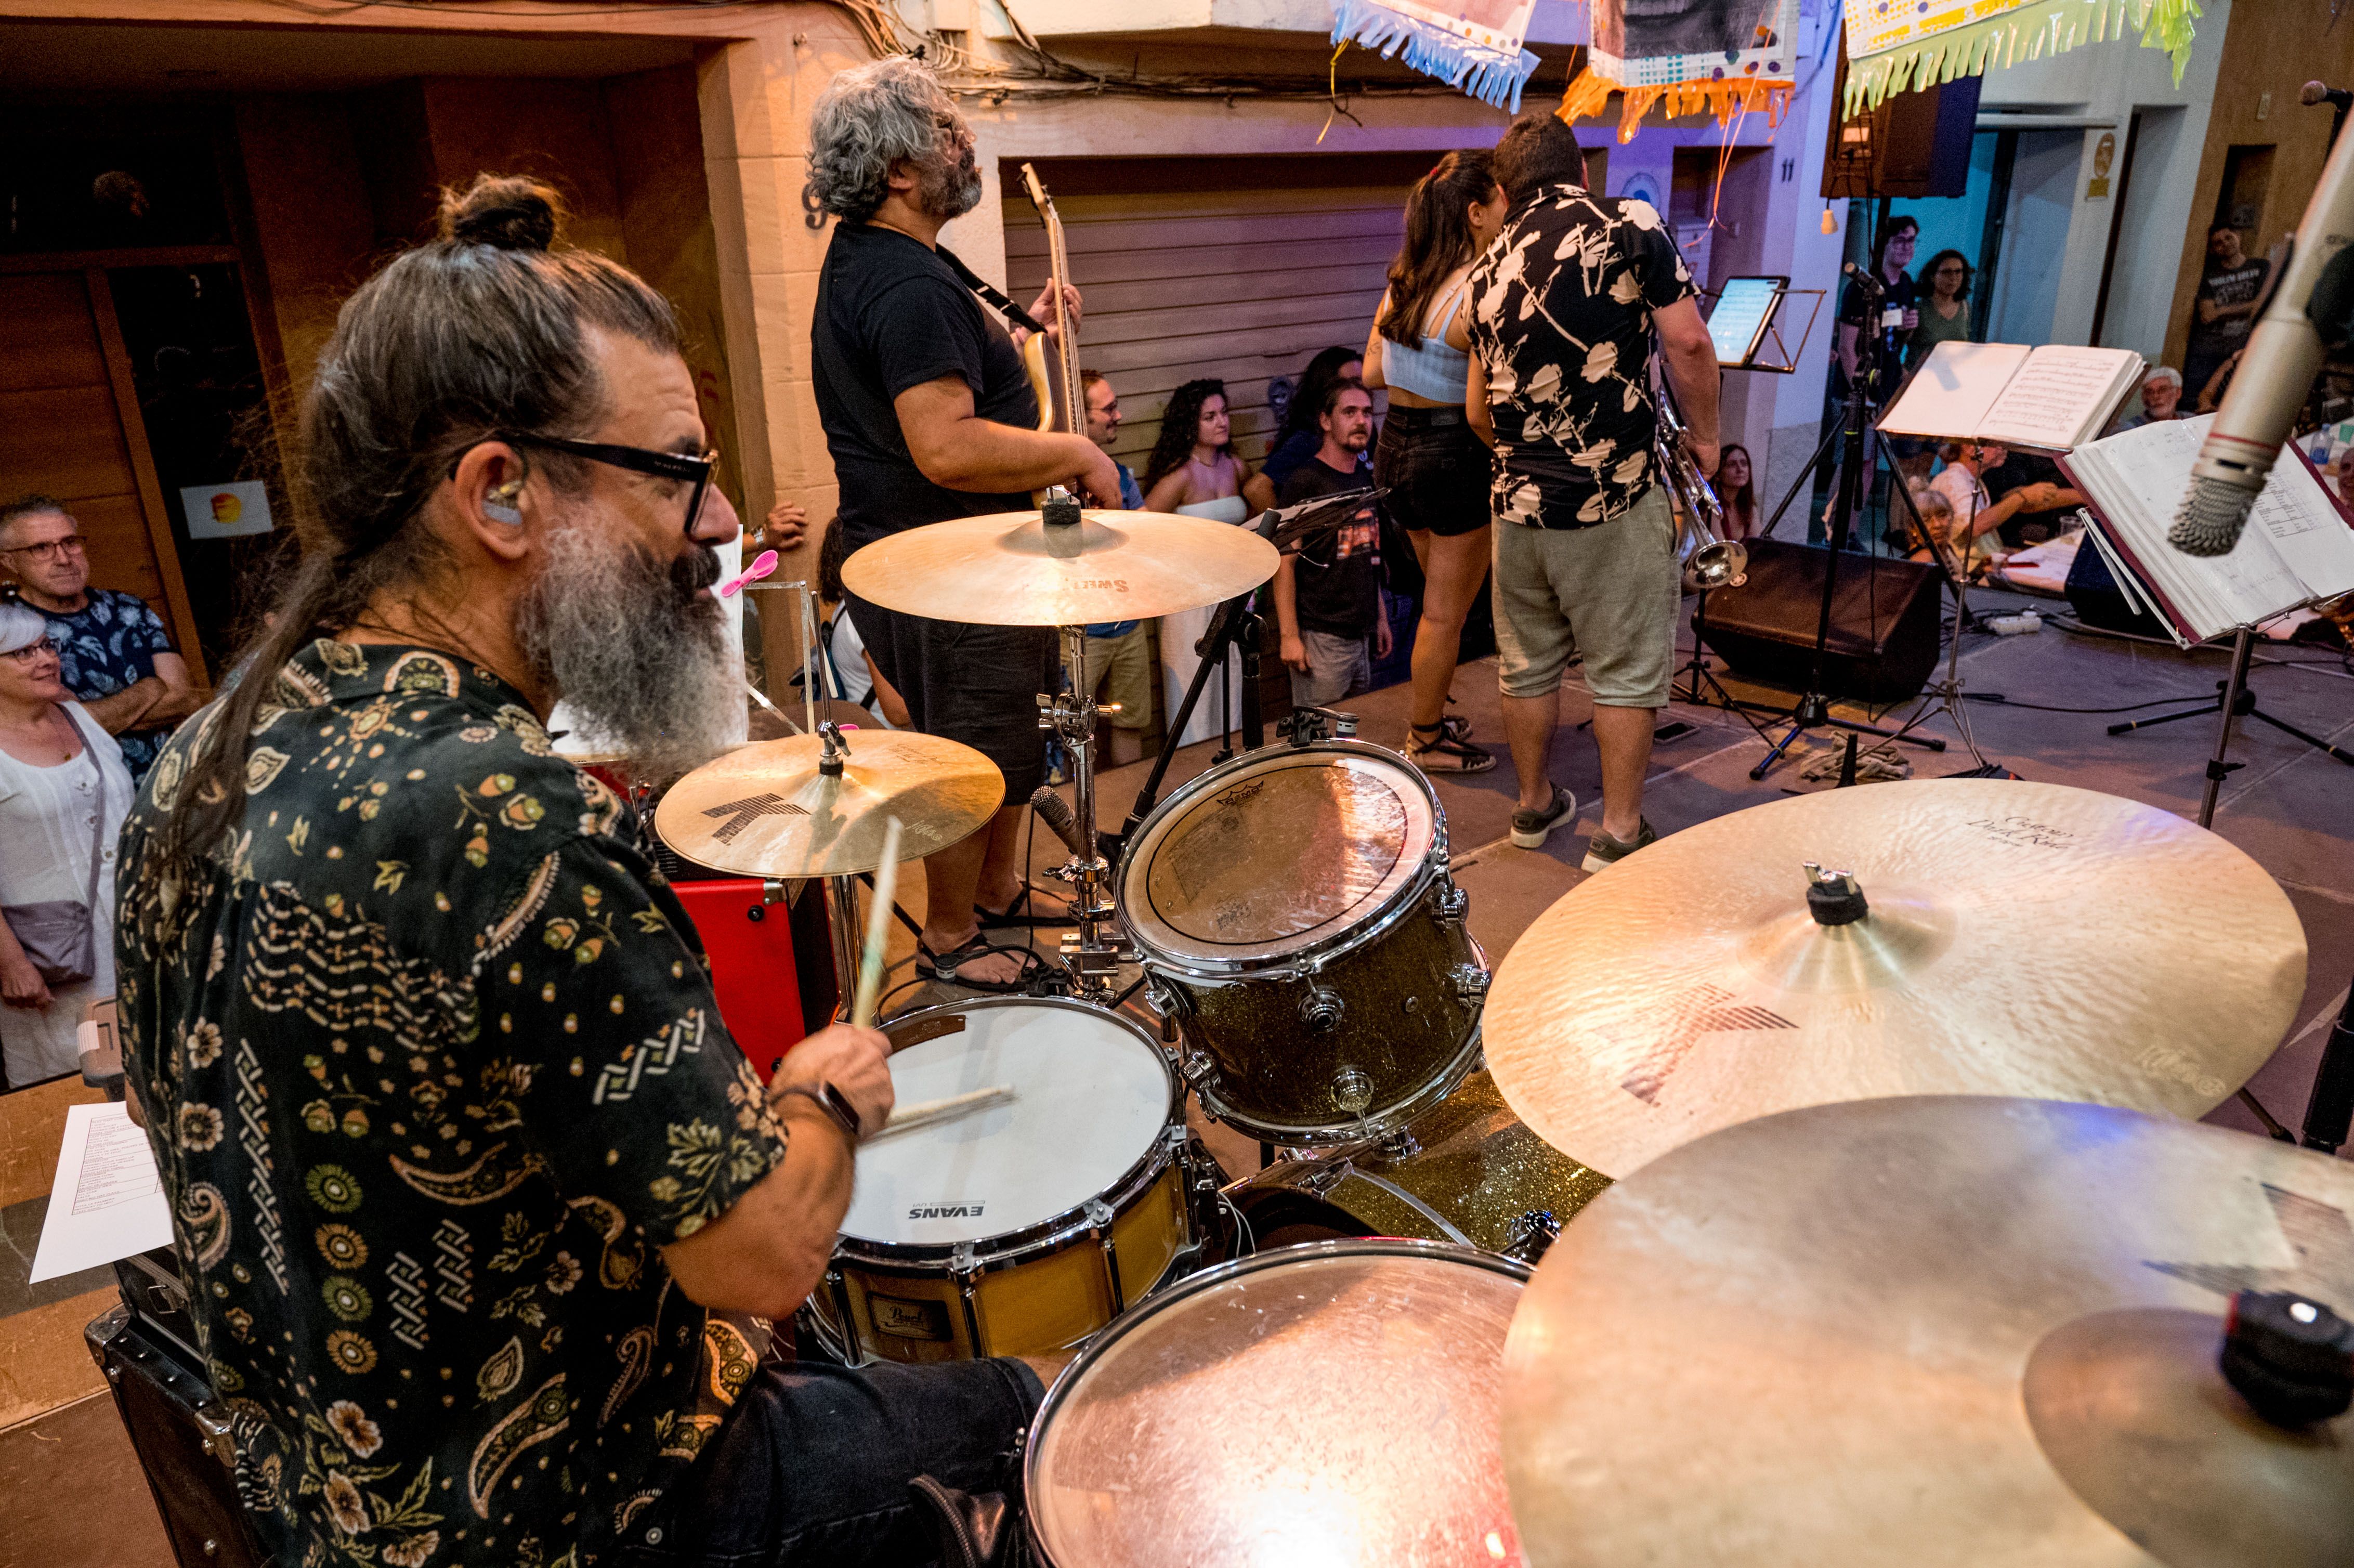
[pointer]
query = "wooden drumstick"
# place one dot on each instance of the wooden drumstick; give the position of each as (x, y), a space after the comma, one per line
(925, 1112)
(878, 927)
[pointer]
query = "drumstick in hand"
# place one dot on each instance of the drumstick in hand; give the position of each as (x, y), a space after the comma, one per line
(878, 926)
(925, 1112)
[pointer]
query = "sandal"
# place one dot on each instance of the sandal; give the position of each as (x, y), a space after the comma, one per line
(1015, 913)
(942, 966)
(1445, 752)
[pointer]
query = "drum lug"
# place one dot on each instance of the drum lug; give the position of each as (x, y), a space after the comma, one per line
(1100, 1215)
(1323, 1179)
(1322, 1008)
(965, 1270)
(1198, 1071)
(1470, 981)
(1531, 1235)
(1401, 1145)
(1352, 1091)
(1451, 904)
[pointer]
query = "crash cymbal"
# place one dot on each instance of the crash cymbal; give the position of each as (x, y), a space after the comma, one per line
(2021, 939)
(1009, 569)
(766, 811)
(1928, 1332)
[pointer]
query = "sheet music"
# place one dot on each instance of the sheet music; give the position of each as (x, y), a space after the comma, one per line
(107, 1201)
(1950, 394)
(2061, 395)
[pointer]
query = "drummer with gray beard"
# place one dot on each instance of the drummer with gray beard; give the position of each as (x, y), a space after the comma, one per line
(484, 1214)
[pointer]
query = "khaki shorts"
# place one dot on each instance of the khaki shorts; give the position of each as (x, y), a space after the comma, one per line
(1120, 670)
(1610, 592)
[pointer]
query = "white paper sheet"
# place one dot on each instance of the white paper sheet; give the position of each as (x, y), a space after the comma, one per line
(107, 1201)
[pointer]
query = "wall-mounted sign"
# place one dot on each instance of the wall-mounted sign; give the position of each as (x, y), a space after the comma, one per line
(2104, 153)
(224, 511)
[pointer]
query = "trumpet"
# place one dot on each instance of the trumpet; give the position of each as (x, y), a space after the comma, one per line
(1710, 559)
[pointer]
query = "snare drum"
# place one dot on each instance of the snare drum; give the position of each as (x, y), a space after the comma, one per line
(1294, 913)
(1467, 1171)
(1023, 1227)
(1336, 1405)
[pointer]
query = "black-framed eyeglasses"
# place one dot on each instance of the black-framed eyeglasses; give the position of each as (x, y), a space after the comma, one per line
(694, 470)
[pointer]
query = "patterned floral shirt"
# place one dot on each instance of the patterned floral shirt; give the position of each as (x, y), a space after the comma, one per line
(1560, 321)
(432, 1067)
(107, 646)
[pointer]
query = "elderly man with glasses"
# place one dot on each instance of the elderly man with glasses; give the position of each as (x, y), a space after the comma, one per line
(115, 656)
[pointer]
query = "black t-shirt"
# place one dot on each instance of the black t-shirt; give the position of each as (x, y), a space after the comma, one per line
(891, 315)
(1856, 311)
(2227, 286)
(1337, 580)
(1560, 321)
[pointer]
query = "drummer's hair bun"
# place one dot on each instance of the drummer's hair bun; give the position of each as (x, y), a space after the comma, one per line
(506, 212)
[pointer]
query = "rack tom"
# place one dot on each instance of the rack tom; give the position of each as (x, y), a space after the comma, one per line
(1023, 1227)
(1294, 913)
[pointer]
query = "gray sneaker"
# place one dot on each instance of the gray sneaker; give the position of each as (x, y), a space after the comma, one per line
(1603, 851)
(1530, 827)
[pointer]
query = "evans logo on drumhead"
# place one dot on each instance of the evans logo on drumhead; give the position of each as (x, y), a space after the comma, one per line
(945, 1212)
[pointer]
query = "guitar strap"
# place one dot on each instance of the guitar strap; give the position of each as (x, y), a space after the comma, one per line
(993, 296)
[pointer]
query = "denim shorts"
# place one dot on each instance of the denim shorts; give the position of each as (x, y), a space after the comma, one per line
(1436, 470)
(813, 1464)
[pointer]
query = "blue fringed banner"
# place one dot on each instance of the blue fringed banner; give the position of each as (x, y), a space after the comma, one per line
(1473, 46)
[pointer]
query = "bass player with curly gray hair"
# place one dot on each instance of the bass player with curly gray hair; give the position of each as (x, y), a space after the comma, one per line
(929, 414)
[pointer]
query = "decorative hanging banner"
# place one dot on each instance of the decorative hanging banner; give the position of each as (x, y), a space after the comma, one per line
(1473, 46)
(1896, 45)
(1722, 57)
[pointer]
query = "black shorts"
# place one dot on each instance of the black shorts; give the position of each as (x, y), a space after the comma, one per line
(812, 1465)
(975, 684)
(1436, 471)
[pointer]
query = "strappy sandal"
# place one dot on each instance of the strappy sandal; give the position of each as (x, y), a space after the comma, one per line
(943, 967)
(1015, 913)
(1447, 751)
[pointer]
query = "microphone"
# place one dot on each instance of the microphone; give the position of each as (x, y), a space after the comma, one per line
(2276, 367)
(1056, 815)
(1863, 279)
(2313, 93)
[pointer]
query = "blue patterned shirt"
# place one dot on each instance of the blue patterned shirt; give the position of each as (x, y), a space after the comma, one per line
(107, 646)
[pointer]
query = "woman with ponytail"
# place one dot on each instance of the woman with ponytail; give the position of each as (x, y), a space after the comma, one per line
(1435, 469)
(396, 983)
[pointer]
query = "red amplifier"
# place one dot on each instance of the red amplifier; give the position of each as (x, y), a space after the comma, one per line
(753, 969)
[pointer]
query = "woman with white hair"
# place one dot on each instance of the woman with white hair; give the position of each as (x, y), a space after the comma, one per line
(64, 791)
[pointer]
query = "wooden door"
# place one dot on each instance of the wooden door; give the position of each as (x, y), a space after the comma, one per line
(69, 427)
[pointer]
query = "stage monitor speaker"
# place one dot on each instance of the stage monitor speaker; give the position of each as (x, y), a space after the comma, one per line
(183, 1438)
(1885, 616)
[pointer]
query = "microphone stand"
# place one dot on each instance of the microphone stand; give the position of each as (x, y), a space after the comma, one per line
(1813, 709)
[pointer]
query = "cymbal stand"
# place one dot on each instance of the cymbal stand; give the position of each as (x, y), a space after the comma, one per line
(842, 892)
(1946, 696)
(1094, 952)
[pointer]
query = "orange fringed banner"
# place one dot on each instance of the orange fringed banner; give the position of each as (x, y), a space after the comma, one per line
(1725, 56)
(1589, 95)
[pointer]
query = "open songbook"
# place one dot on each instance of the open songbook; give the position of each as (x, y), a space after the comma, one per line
(2045, 399)
(2298, 547)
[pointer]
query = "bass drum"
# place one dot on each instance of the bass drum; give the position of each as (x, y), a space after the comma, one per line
(1293, 912)
(1024, 1226)
(1468, 1172)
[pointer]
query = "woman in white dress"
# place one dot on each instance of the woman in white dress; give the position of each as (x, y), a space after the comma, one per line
(63, 789)
(1195, 471)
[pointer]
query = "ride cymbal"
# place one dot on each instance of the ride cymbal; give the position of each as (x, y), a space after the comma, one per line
(766, 811)
(1932, 1332)
(1008, 569)
(2020, 939)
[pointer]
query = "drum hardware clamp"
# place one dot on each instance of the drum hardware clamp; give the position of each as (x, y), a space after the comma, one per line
(1533, 1234)
(1308, 725)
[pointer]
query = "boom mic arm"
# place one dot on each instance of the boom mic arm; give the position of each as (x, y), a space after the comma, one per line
(2306, 312)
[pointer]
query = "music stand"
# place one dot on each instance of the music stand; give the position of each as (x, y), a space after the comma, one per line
(1761, 300)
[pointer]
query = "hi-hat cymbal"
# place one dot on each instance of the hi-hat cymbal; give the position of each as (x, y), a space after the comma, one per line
(2021, 939)
(1008, 569)
(1932, 1332)
(766, 811)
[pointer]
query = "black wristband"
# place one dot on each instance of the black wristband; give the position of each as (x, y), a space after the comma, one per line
(831, 1101)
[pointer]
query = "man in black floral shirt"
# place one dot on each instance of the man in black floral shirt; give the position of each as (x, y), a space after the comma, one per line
(1564, 306)
(461, 1157)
